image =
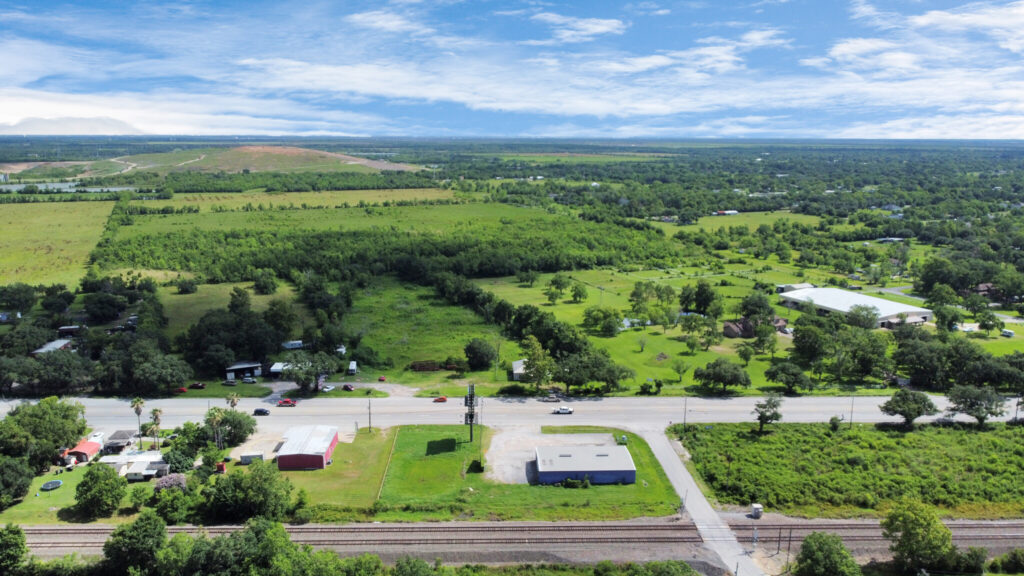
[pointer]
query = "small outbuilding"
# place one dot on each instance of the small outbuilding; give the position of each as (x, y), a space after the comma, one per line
(243, 369)
(85, 451)
(518, 370)
(118, 441)
(599, 464)
(61, 344)
(307, 448)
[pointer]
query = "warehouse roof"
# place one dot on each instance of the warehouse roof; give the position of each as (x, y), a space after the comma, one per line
(52, 346)
(837, 300)
(583, 458)
(308, 440)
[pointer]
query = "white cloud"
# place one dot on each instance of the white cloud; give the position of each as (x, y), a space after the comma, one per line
(386, 21)
(570, 30)
(635, 65)
(1004, 23)
(647, 9)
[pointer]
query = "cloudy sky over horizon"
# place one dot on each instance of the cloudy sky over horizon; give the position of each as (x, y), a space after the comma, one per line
(533, 68)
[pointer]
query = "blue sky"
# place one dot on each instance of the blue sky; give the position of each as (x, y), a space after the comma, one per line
(598, 68)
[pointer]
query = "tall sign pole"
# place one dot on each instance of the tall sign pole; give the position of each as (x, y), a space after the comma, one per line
(471, 409)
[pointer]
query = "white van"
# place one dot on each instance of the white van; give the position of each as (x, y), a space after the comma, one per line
(352, 368)
(1007, 333)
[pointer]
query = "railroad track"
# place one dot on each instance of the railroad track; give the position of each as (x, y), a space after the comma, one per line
(963, 531)
(370, 536)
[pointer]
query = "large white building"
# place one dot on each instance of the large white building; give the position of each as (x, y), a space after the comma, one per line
(835, 300)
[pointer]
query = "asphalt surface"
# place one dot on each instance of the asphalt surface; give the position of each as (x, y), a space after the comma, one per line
(635, 414)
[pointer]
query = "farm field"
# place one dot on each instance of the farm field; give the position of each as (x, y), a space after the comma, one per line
(430, 479)
(750, 219)
(434, 219)
(408, 323)
(330, 199)
(809, 470)
(254, 158)
(46, 243)
(660, 348)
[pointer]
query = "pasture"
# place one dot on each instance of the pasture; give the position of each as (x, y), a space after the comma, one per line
(46, 243)
(432, 219)
(810, 470)
(254, 158)
(407, 323)
(184, 310)
(290, 200)
(751, 220)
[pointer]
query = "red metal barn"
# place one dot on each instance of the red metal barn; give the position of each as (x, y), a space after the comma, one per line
(307, 448)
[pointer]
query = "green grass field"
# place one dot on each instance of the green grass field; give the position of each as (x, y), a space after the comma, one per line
(355, 477)
(751, 220)
(434, 219)
(255, 158)
(408, 323)
(661, 348)
(55, 506)
(332, 199)
(807, 470)
(430, 478)
(49, 242)
(184, 310)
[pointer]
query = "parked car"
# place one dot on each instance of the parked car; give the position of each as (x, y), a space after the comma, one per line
(562, 410)
(180, 390)
(348, 387)
(197, 386)
(248, 380)
(382, 379)
(550, 398)
(286, 402)
(231, 382)
(261, 412)
(441, 399)
(328, 388)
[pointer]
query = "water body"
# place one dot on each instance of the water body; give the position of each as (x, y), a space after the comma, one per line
(66, 187)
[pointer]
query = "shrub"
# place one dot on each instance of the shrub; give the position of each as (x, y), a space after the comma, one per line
(170, 481)
(823, 554)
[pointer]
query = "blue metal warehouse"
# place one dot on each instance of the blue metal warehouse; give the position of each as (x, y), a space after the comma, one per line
(601, 464)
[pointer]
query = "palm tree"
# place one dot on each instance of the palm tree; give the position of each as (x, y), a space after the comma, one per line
(154, 415)
(214, 417)
(232, 400)
(137, 404)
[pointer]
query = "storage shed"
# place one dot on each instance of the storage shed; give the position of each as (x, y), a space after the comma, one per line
(85, 450)
(600, 464)
(307, 448)
(243, 369)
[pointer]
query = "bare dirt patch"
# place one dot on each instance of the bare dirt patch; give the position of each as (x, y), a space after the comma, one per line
(512, 447)
(295, 151)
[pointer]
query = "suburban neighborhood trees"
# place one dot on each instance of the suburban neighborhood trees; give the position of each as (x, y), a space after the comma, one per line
(100, 492)
(823, 554)
(768, 411)
(789, 375)
(910, 405)
(919, 539)
(15, 478)
(539, 366)
(135, 545)
(721, 372)
(12, 548)
(978, 403)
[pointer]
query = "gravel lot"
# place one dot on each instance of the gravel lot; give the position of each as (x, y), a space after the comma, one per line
(513, 446)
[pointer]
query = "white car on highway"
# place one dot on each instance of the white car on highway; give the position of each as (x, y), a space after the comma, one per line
(562, 410)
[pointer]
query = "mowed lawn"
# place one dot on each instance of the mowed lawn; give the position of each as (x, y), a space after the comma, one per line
(432, 477)
(56, 506)
(49, 242)
(332, 199)
(408, 323)
(354, 478)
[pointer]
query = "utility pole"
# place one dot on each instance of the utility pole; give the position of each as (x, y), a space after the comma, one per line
(684, 413)
(851, 409)
(471, 409)
(369, 413)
